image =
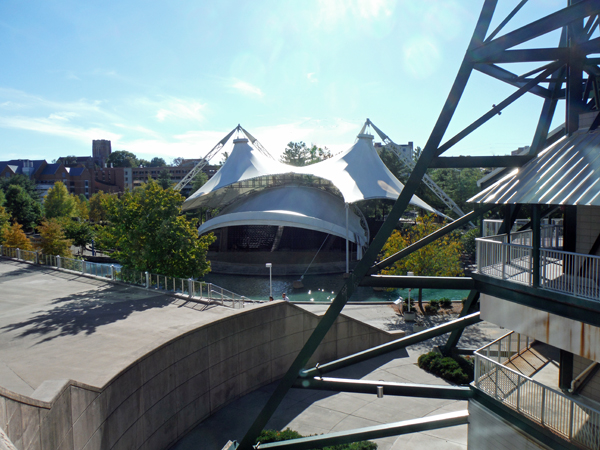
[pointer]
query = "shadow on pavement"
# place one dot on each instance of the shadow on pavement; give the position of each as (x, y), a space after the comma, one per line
(84, 312)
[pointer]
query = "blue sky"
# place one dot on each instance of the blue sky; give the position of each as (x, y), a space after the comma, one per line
(171, 79)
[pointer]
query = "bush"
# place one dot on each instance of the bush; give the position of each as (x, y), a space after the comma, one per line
(276, 436)
(445, 302)
(456, 370)
(469, 245)
(432, 307)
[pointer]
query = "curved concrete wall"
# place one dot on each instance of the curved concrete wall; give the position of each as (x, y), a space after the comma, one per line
(168, 390)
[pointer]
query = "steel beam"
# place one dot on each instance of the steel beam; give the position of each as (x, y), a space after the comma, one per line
(535, 29)
(389, 388)
(432, 237)
(498, 108)
(508, 77)
(468, 308)
(448, 162)
(528, 55)
(398, 281)
(374, 432)
(393, 345)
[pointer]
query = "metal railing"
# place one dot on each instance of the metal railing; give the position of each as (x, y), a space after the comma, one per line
(191, 288)
(572, 273)
(566, 417)
(511, 262)
(566, 272)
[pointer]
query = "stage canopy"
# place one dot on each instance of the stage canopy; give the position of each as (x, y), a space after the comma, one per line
(292, 206)
(358, 174)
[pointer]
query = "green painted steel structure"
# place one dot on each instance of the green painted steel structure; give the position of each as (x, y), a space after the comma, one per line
(560, 66)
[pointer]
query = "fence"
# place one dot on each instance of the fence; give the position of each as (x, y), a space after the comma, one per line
(505, 261)
(191, 288)
(566, 417)
(566, 272)
(572, 273)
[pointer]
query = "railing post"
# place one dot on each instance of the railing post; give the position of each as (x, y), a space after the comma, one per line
(496, 384)
(1, 250)
(543, 405)
(190, 287)
(58, 261)
(571, 418)
(535, 244)
(18, 253)
(82, 267)
(478, 255)
(37, 258)
(147, 280)
(518, 392)
(503, 256)
(112, 272)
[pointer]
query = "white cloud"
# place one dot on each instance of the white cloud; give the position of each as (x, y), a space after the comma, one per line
(247, 88)
(312, 77)
(57, 127)
(181, 109)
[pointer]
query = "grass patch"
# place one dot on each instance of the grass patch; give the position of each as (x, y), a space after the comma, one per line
(276, 436)
(457, 370)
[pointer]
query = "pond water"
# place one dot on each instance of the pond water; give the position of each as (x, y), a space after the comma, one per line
(317, 288)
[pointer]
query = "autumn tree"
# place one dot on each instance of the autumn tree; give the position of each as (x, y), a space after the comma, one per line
(58, 202)
(82, 207)
(53, 240)
(14, 236)
(441, 258)
(148, 232)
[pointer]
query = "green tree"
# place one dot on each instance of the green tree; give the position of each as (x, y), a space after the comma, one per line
(4, 221)
(58, 202)
(299, 154)
(148, 232)
(14, 236)
(53, 240)
(177, 161)
(82, 207)
(164, 179)
(67, 160)
(122, 158)
(441, 258)
(157, 162)
(98, 206)
(25, 182)
(80, 233)
(22, 208)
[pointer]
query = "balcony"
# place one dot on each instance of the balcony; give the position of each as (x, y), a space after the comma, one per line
(511, 258)
(497, 374)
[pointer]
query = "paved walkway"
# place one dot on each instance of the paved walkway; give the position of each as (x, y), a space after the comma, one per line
(316, 412)
(56, 325)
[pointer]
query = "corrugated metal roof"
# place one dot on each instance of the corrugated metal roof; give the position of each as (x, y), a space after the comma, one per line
(565, 173)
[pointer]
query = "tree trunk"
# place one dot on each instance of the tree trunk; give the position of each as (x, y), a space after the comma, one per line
(421, 300)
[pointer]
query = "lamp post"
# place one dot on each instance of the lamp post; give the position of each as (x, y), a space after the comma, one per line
(270, 266)
(410, 274)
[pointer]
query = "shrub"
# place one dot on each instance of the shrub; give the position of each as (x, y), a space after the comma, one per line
(456, 370)
(432, 307)
(445, 302)
(276, 436)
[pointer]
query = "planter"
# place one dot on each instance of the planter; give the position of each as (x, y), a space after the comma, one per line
(410, 316)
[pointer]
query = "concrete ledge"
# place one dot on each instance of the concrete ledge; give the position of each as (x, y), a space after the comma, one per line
(168, 389)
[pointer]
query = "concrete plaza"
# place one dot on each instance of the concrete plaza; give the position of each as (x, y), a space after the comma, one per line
(316, 412)
(59, 325)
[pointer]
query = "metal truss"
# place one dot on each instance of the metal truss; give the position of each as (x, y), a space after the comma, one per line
(564, 73)
(204, 161)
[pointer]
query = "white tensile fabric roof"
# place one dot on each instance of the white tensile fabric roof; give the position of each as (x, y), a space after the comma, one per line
(292, 206)
(358, 173)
